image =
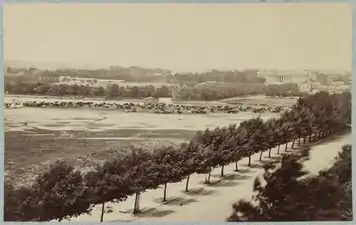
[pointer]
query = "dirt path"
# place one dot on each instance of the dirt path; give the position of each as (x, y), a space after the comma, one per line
(213, 202)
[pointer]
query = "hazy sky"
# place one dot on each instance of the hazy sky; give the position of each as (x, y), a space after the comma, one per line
(182, 36)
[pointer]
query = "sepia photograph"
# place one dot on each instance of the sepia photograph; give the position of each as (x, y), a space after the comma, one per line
(177, 112)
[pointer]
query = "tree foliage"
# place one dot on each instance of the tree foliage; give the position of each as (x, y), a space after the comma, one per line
(111, 90)
(289, 195)
(202, 92)
(63, 192)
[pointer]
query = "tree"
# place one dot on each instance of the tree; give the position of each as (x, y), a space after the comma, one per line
(20, 203)
(113, 90)
(188, 163)
(249, 147)
(141, 170)
(62, 193)
(170, 162)
(106, 184)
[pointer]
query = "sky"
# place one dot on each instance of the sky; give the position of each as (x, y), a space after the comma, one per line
(182, 37)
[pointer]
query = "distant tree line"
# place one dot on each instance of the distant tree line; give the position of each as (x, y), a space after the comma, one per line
(192, 92)
(230, 90)
(64, 192)
(112, 90)
(131, 74)
(245, 76)
(138, 74)
(284, 90)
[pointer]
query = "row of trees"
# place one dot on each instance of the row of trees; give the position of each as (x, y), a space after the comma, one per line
(139, 74)
(112, 90)
(230, 90)
(131, 74)
(200, 92)
(243, 76)
(64, 192)
(289, 195)
(284, 90)
(220, 91)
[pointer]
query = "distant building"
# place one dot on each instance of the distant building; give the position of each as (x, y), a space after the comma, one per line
(214, 84)
(337, 83)
(150, 100)
(165, 100)
(283, 77)
(305, 86)
(48, 79)
(338, 89)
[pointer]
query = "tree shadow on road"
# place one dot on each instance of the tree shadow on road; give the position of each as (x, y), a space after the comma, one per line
(275, 157)
(244, 171)
(200, 192)
(264, 161)
(237, 177)
(224, 183)
(154, 213)
(254, 165)
(178, 201)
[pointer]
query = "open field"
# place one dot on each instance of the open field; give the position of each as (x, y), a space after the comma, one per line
(34, 137)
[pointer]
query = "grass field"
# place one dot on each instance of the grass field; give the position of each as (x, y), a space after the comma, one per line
(34, 137)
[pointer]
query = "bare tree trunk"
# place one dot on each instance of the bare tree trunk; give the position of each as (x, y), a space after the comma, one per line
(286, 148)
(222, 171)
(187, 183)
(207, 178)
(305, 140)
(102, 212)
(165, 192)
(236, 166)
(293, 143)
(279, 147)
(249, 160)
(269, 152)
(137, 203)
(310, 137)
(261, 152)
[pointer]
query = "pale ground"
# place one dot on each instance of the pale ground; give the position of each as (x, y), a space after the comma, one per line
(37, 136)
(213, 202)
(100, 119)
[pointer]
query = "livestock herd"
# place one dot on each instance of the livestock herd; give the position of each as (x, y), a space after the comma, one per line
(158, 108)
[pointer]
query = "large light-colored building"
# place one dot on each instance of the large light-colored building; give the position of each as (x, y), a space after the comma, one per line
(304, 79)
(283, 77)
